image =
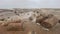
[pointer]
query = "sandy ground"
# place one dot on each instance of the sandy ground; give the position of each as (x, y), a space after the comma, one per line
(30, 27)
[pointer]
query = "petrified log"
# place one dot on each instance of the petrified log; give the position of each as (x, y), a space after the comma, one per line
(41, 17)
(14, 27)
(13, 24)
(50, 21)
(14, 19)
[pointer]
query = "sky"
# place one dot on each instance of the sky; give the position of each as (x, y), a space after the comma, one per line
(29, 3)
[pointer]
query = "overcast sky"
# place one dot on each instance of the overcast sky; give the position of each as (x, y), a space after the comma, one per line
(29, 3)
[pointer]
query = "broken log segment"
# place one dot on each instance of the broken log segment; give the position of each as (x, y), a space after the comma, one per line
(15, 27)
(48, 21)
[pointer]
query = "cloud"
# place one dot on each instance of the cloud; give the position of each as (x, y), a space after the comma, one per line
(29, 3)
